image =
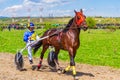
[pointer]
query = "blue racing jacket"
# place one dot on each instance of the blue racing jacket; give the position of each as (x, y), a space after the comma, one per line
(28, 34)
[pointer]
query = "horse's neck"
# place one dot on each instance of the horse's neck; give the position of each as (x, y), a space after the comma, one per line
(74, 27)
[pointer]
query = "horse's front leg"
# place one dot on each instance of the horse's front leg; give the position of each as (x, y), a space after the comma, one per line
(72, 64)
(41, 56)
(72, 54)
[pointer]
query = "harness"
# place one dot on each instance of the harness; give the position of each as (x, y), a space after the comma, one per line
(59, 36)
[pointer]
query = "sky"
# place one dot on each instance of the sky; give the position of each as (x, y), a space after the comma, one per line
(37, 8)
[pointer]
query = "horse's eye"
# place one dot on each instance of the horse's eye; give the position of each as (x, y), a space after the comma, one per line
(78, 17)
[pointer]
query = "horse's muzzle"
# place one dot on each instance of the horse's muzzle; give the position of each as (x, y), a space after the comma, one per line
(84, 26)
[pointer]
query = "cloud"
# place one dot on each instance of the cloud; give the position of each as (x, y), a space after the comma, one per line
(10, 11)
(37, 1)
(50, 1)
(13, 8)
(45, 3)
(38, 4)
(33, 7)
(61, 12)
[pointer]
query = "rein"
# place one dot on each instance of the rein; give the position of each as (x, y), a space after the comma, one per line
(66, 28)
(58, 31)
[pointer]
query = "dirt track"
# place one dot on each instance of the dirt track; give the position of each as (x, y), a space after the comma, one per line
(84, 72)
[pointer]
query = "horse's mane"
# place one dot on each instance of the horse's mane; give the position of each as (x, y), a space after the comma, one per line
(68, 25)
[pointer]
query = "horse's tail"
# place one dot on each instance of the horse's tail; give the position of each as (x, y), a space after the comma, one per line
(36, 46)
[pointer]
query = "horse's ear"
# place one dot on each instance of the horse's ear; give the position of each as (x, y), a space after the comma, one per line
(81, 10)
(75, 11)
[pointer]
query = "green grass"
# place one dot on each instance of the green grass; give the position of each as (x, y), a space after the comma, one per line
(99, 47)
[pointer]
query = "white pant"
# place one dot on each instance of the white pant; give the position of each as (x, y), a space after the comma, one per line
(29, 48)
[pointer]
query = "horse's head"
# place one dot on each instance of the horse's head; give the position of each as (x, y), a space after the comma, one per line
(80, 20)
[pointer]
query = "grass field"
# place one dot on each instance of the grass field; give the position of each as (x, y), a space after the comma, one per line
(99, 47)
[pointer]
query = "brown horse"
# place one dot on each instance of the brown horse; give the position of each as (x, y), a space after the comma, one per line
(66, 39)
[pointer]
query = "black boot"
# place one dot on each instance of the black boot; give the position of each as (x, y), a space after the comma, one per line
(31, 61)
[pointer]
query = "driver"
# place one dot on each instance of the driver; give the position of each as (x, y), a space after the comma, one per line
(29, 37)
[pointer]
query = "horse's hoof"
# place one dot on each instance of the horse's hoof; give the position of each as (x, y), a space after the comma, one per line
(76, 78)
(59, 71)
(63, 71)
(38, 66)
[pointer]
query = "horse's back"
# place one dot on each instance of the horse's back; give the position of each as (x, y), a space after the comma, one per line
(52, 31)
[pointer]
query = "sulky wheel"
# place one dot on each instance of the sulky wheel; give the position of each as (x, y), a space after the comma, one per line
(19, 61)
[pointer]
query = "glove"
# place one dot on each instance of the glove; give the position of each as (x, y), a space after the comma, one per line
(29, 38)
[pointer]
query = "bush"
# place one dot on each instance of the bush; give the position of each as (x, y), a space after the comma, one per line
(91, 23)
(111, 28)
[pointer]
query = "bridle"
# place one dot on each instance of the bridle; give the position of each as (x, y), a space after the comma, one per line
(80, 20)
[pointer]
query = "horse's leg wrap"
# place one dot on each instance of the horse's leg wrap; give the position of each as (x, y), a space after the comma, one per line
(39, 65)
(74, 71)
(67, 68)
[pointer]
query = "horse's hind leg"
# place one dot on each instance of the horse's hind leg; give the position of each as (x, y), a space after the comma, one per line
(56, 58)
(42, 55)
